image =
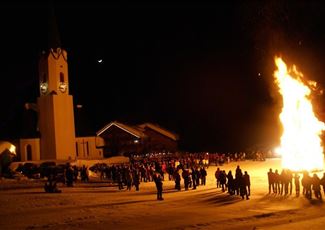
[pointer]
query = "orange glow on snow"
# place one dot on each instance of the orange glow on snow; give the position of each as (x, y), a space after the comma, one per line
(301, 147)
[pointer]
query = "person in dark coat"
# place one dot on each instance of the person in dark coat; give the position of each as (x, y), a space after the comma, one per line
(129, 180)
(223, 180)
(186, 178)
(75, 173)
(230, 180)
(306, 182)
(277, 182)
(203, 176)
(270, 177)
(159, 185)
(242, 187)
(297, 183)
(316, 186)
(170, 171)
(238, 178)
(217, 176)
(119, 178)
(69, 175)
(177, 178)
(84, 174)
(136, 179)
(247, 183)
(193, 174)
(322, 182)
(290, 177)
(50, 185)
(198, 176)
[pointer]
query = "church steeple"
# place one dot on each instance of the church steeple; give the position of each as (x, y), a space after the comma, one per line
(53, 65)
(54, 40)
(56, 117)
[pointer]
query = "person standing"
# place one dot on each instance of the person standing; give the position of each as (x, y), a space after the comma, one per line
(238, 179)
(247, 183)
(129, 180)
(159, 185)
(277, 181)
(203, 175)
(69, 175)
(198, 176)
(136, 179)
(322, 182)
(84, 174)
(193, 174)
(242, 187)
(306, 182)
(186, 175)
(230, 180)
(223, 180)
(119, 178)
(217, 176)
(297, 183)
(290, 177)
(316, 186)
(177, 179)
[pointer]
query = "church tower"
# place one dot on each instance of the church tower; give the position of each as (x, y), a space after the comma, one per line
(55, 105)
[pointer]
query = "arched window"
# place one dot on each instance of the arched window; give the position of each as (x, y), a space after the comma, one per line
(61, 77)
(29, 152)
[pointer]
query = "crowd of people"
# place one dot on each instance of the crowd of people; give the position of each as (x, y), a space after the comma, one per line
(188, 171)
(192, 170)
(238, 185)
(282, 183)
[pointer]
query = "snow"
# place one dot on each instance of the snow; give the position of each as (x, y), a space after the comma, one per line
(25, 205)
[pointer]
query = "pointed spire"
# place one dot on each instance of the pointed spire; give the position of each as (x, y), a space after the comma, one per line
(54, 40)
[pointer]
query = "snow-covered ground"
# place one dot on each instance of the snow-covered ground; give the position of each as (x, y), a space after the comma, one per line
(103, 206)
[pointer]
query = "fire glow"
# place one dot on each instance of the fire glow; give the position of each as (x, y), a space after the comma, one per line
(301, 147)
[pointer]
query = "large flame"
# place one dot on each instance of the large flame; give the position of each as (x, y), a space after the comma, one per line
(301, 147)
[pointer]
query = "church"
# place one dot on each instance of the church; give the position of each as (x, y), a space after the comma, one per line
(56, 125)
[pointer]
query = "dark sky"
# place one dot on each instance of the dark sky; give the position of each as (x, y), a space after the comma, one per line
(191, 68)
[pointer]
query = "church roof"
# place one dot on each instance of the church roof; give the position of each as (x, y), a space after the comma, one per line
(132, 130)
(139, 130)
(159, 129)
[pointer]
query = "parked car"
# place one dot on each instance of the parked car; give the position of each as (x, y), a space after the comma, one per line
(44, 168)
(30, 170)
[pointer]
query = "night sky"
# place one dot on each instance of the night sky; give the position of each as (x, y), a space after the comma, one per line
(203, 71)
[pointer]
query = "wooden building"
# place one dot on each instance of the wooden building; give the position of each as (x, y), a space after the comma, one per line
(122, 139)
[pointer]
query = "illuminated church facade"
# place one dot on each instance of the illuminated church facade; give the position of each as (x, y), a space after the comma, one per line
(55, 111)
(56, 126)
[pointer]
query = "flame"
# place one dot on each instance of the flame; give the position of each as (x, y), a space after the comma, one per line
(301, 147)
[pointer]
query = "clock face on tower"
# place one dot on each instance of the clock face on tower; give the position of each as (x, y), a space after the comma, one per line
(63, 87)
(43, 87)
